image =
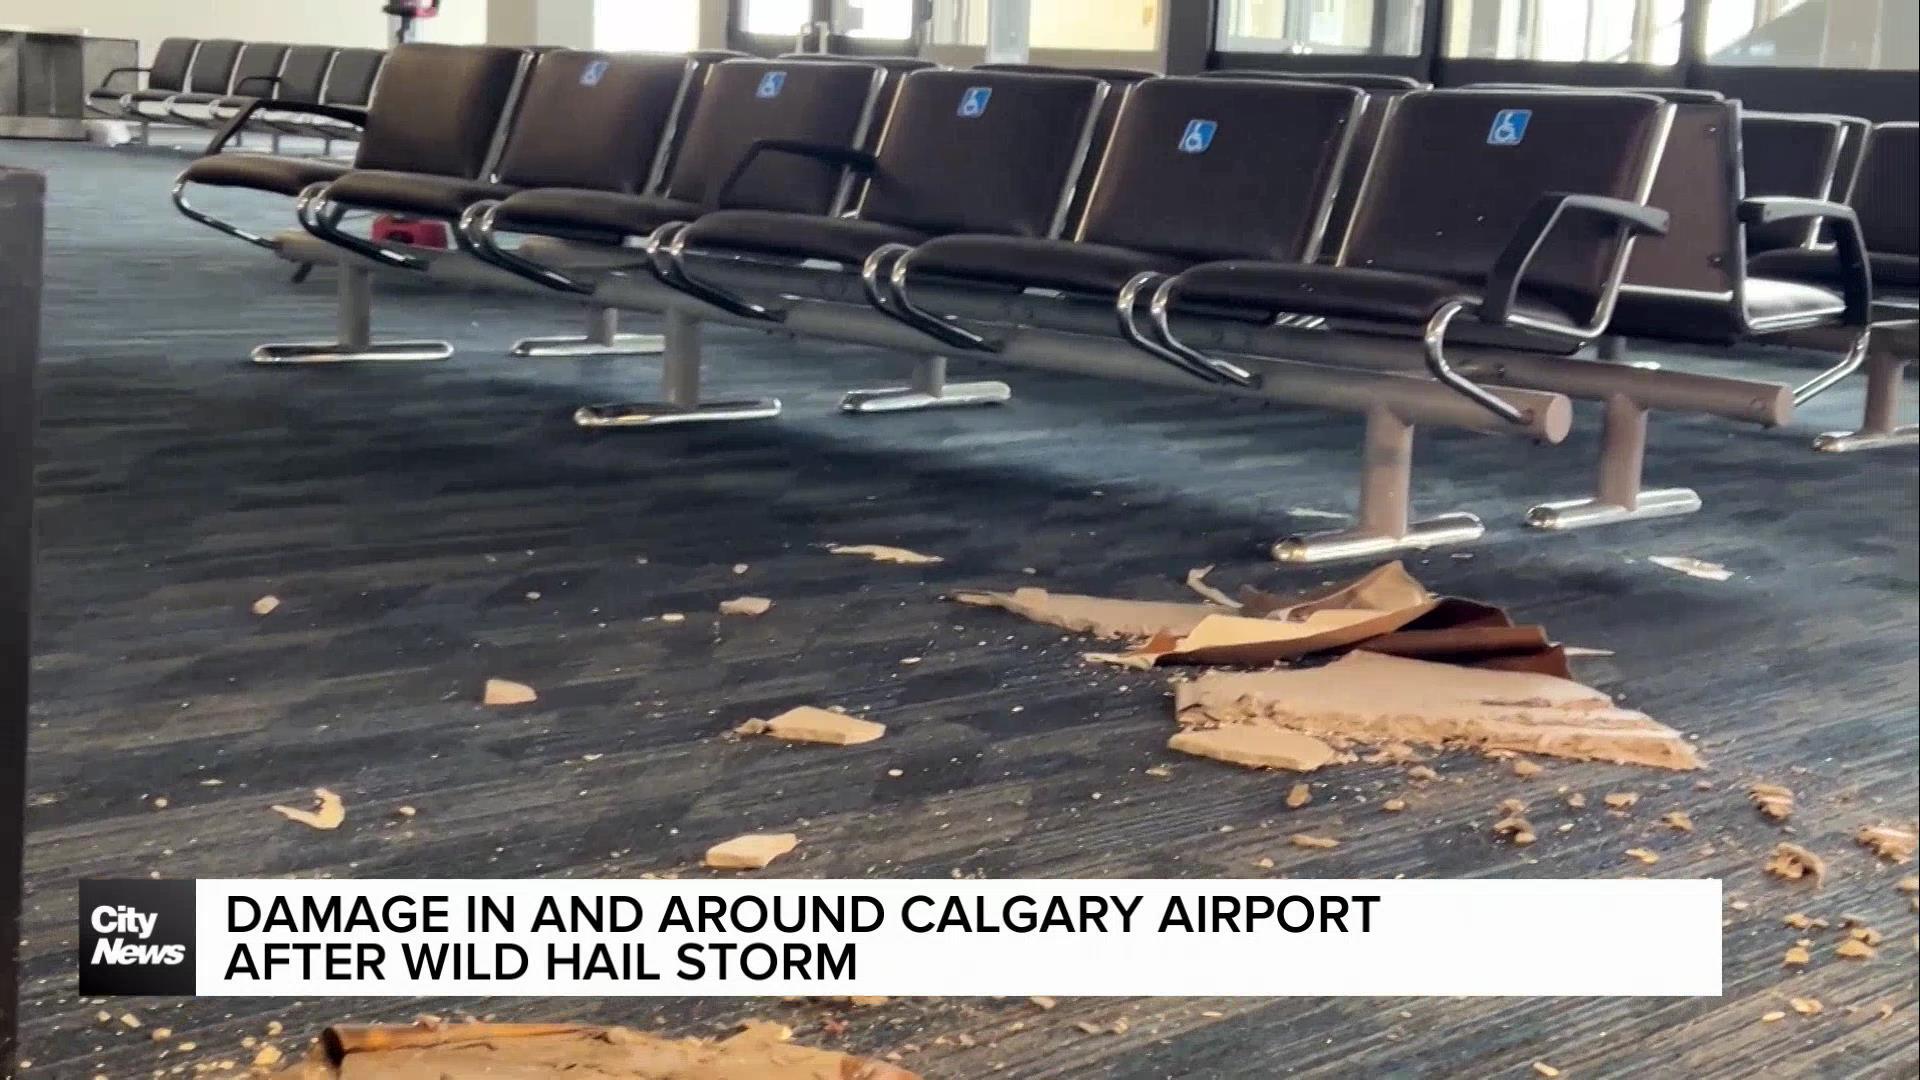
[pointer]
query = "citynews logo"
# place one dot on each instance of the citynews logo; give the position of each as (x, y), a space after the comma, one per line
(136, 937)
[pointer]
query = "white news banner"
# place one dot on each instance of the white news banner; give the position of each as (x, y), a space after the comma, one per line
(957, 938)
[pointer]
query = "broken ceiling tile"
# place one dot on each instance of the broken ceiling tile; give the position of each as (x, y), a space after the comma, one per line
(746, 605)
(1890, 842)
(1099, 616)
(1692, 567)
(1256, 747)
(1369, 698)
(1299, 795)
(1795, 863)
(329, 812)
(883, 553)
(1197, 581)
(751, 852)
(1772, 800)
(266, 605)
(507, 692)
(1306, 840)
(808, 724)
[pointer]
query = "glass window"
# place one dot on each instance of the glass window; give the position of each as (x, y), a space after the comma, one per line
(1881, 34)
(1336, 27)
(958, 22)
(1572, 31)
(777, 17)
(879, 20)
(661, 26)
(1095, 25)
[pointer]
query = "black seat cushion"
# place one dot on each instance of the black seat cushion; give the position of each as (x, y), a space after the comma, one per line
(804, 236)
(1039, 263)
(1820, 265)
(573, 211)
(412, 193)
(1343, 292)
(1705, 317)
(259, 172)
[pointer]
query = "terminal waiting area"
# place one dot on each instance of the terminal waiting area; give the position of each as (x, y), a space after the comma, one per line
(498, 458)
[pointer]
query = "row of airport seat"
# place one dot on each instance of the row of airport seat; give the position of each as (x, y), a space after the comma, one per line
(1481, 222)
(203, 84)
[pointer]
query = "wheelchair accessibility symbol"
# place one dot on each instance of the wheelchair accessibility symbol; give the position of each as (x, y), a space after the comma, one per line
(973, 103)
(1509, 127)
(771, 84)
(593, 73)
(1198, 136)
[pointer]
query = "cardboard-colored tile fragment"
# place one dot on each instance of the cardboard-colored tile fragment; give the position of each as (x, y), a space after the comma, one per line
(1546, 1070)
(750, 852)
(808, 724)
(1516, 829)
(1699, 568)
(1643, 855)
(1807, 1006)
(266, 605)
(1772, 800)
(883, 553)
(328, 813)
(1307, 840)
(507, 692)
(1299, 796)
(746, 605)
(1891, 842)
(1795, 863)
(1622, 800)
(438, 1051)
(1797, 956)
(1197, 581)
(1772, 1016)
(1373, 699)
(1678, 820)
(1099, 616)
(1854, 949)
(1256, 747)
(1908, 884)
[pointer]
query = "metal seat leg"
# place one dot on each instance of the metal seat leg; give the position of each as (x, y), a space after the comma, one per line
(1619, 496)
(929, 389)
(680, 390)
(355, 342)
(1382, 526)
(1880, 427)
(603, 338)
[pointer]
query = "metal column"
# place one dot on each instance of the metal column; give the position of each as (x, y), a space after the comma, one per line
(22, 203)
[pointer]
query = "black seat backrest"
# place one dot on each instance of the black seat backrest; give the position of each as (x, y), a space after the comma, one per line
(700, 65)
(304, 73)
(1700, 185)
(1884, 195)
(1364, 80)
(984, 152)
(745, 101)
(437, 107)
(592, 120)
(171, 62)
(1223, 169)
(1120, 83)
(1854, 132)
(1789, 154)
(896, 68)
(212, 68)
(259, 65)
(1457, 171)
(1678, 95)
(351, 79)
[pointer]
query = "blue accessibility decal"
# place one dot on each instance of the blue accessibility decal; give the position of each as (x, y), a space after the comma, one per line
(771, 84)
(973, 103)
(1198, 136)
(594, 72)
(1509, 127)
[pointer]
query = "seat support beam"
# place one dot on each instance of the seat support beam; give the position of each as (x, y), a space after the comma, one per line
(354, 341)
(928, 389)
(1618, 494)
(1383, 525)
(680, 401)
(602, 338)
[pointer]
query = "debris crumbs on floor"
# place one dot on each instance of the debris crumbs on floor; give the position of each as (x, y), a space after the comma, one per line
(751, 852)
(507, 692)
(1368, 698)
(1545, 1070)
(1795, 863)
(1700, 568)
(1307, 840)
(328, 813)
(1807, 1006)
(434, 1051)
(1889, 842)
(746, 605)
(1772, 800)
(811, 725)
(883, 553)
(266, 605)
(1619, 800)
(1678, 821)
(1299, 796)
